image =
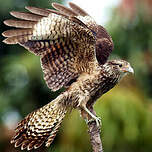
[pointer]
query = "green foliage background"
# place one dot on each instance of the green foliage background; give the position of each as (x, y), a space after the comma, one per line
(126, 110)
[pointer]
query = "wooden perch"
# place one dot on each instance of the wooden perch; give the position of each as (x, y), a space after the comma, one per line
(93, 130)
(95, 139)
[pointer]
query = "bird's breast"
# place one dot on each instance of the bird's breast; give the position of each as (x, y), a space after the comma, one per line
(90, 87)
(98, 84)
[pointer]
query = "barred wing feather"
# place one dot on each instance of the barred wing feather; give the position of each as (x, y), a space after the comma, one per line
(59, 41)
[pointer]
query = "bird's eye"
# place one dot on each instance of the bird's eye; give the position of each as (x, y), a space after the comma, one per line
(120, 65)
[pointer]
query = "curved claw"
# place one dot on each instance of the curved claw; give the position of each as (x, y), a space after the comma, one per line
(97, 119)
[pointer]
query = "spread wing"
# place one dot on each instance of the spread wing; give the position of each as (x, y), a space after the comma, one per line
(65, 40)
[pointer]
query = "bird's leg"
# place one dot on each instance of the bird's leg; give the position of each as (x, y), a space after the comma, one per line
(85, 112)
(97, 119)
(93, 117)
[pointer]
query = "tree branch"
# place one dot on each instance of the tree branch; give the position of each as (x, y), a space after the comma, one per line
(93, 130)
(95, 139)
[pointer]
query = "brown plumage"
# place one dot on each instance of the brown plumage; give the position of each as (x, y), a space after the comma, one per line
(73, 50)
(63, 39)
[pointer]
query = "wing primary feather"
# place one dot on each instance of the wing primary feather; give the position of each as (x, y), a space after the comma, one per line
(17, 32)
(10, 40)
(38, 11)
(76, 20)
(77, 9)
(57, 12)
(26, 16)
(20, 23)
(64, 9)
(17, 39)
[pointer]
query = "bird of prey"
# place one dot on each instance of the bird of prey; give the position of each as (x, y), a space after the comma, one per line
(73, 50)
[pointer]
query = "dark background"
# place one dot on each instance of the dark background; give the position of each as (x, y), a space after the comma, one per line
(126, 110)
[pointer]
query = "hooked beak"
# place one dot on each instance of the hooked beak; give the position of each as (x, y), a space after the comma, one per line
(128, 69)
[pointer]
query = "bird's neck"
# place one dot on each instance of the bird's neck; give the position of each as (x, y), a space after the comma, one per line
(101, 81)
(106, 81)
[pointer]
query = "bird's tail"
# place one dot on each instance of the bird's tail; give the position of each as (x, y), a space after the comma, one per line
(41, 125)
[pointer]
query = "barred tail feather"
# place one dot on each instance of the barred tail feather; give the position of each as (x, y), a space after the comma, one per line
(40, 126)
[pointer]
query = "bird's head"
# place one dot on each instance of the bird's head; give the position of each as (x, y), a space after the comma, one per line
(118, 67)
